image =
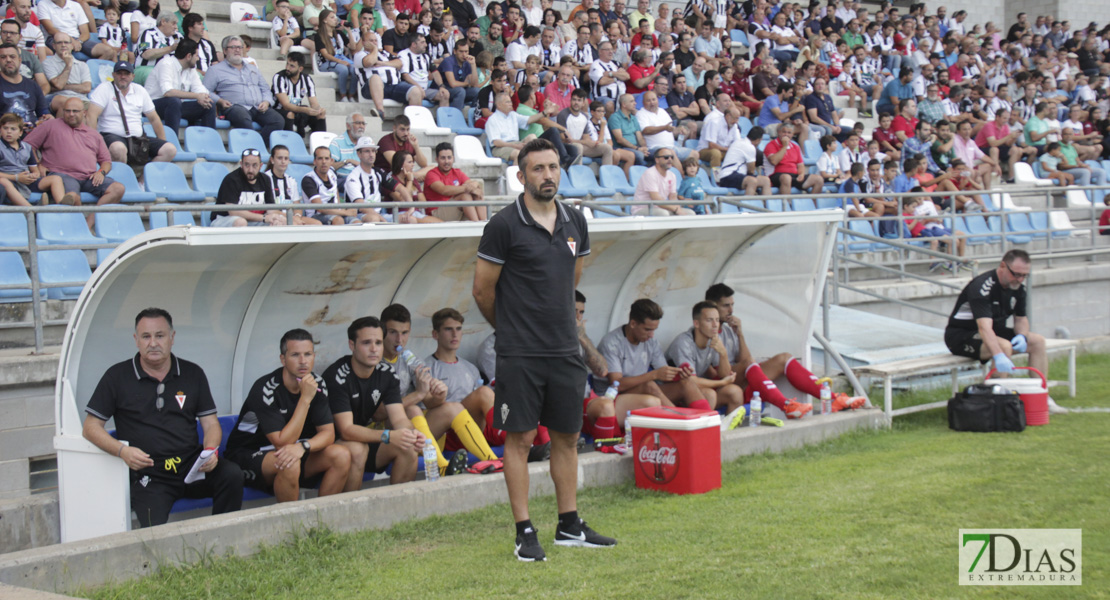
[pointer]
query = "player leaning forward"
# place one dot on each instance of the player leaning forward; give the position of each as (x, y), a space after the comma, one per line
(529, 262)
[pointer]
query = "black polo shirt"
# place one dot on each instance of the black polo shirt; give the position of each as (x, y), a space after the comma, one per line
(535, 292)
(268, 408)
(130, 394)
(986, 298)
(360, 397)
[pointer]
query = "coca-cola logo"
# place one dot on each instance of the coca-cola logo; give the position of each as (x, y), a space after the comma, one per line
(658, 457)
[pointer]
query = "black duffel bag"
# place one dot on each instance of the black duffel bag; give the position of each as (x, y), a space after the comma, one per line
(986, 408)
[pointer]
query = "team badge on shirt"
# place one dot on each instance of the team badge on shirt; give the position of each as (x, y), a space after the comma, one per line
(573, 246)
(180, 397)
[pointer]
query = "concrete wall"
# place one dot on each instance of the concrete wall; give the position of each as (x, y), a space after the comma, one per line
(26, 426)
(1073, 297)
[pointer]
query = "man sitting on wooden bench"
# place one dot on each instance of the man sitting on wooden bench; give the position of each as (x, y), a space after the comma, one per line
(977, 327)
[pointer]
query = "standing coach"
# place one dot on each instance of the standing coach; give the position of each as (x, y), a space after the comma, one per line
(529, 262)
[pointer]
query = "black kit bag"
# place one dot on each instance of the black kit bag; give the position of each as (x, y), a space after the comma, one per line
(986, 408)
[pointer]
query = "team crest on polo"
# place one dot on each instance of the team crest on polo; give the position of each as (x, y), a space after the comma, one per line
(573, 246)
(180, 397)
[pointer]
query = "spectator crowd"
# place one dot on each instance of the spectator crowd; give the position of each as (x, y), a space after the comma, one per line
(955, 109)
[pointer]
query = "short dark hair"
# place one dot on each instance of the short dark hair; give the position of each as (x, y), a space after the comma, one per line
(700, 306)
(536, 145)
(440, 317)
(580, 93)
(295, 335)
(1013, 255)
(440, 147)
(524, 93)
(191, 20)
(396, 312)
(531, 31)
(718, 292)
(755, 133)
(402, 120)
(645, 309)
(360, 324)
(184, 48)
(154, 313)
(579, 297)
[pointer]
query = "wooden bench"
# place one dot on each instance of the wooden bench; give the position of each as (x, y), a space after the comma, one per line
(949, 362)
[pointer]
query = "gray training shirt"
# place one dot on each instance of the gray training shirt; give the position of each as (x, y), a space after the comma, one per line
(626, 359)
(461, 377)
(685, 350)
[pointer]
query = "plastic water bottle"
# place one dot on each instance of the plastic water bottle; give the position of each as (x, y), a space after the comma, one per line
(613, 390)
(409, 358)
(826, 398)
(627, 429)
(431, 464)
(757, 410)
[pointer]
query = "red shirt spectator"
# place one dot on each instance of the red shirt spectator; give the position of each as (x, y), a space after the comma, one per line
(636, 40)
(452, 177)
(388, 143)
(886, 135)
(637, 72)
(1104, 222)
(906, 126)
(991, 129)
(790, 161)
(540, 99)
(410, 7)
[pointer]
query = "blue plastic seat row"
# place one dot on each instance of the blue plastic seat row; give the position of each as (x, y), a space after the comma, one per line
(54, 266)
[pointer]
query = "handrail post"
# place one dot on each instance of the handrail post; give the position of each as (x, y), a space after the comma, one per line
(33, 259)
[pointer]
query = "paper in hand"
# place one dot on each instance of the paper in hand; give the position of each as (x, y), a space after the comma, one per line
(195, 473)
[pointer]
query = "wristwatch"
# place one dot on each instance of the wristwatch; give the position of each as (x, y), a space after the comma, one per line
(306, 445)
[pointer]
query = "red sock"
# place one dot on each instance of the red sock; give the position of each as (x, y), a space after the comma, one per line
(605, 427)
(758, 382)
(542, 437)
(702, 404)
(801, 378)
(494, 436)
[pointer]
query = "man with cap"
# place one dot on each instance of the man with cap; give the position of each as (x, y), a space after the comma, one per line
(245, 186)
(240, 92)
(123, 106)
(364, 184)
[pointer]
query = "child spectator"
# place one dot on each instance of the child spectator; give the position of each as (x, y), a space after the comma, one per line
(691, 189)
(927, 224)
(112, 34)
(286, 28)
(1104, 219)
(828, 165)
(1050, 164)
(20, 173)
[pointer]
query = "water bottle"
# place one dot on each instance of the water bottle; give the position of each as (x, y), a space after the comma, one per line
(431, 464)
(409, 358)
(826, 398)
(611, 393)
(757, 410)
(627, 429)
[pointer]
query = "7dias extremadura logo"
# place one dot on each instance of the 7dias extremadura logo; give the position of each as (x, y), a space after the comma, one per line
(1021, 557)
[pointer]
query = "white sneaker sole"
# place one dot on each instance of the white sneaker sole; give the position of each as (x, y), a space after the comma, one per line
(516, 553)
(572, 543)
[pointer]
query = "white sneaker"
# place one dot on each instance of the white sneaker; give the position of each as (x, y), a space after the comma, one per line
(1056, 409)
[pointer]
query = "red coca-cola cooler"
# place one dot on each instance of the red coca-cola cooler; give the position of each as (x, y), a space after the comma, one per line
(676, 450)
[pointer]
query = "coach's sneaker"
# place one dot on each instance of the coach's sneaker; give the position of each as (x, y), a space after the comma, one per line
(580, 535)
(1056, 409)
(796, 410)
(528, 547)
(457, 464)
(539, 453)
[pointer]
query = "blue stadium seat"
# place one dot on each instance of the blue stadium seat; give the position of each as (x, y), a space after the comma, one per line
(859, 226)
(66, 228)
(802, 204)
(635, 172)
(612, 177)
(745, 125)
(1039, 220)
(290, 139)
(824, 203)
(168, 181)
(205, 142)
(978, 230)
(62, 266)
(774, 204)
(239, 140)
(207, 177)
(134, 192)
(180, 217)
(583, 178)
(452, 118)
(171, 137)
(738, 36)
(13, 230)
(118, 227)
(1017, 226)
(811, 151)
(711, 188)
(567, 189)
(12, 272)
(297, 172)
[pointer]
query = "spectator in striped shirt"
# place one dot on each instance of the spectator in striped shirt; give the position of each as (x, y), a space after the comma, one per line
(156, 42)
(295, 96)
(207, 55)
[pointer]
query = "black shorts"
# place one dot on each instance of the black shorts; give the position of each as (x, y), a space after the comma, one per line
(795, 180)
(251, 464)
(155, 143)
(1004, 151)
(371, 459)
(968, 342)
(543, 390)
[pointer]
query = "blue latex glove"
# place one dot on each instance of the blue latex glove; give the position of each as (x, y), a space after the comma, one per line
(1003, 364)
(1019, 343)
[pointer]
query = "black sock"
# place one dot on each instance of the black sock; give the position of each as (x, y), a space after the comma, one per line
(522, 525)
(568, 519)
